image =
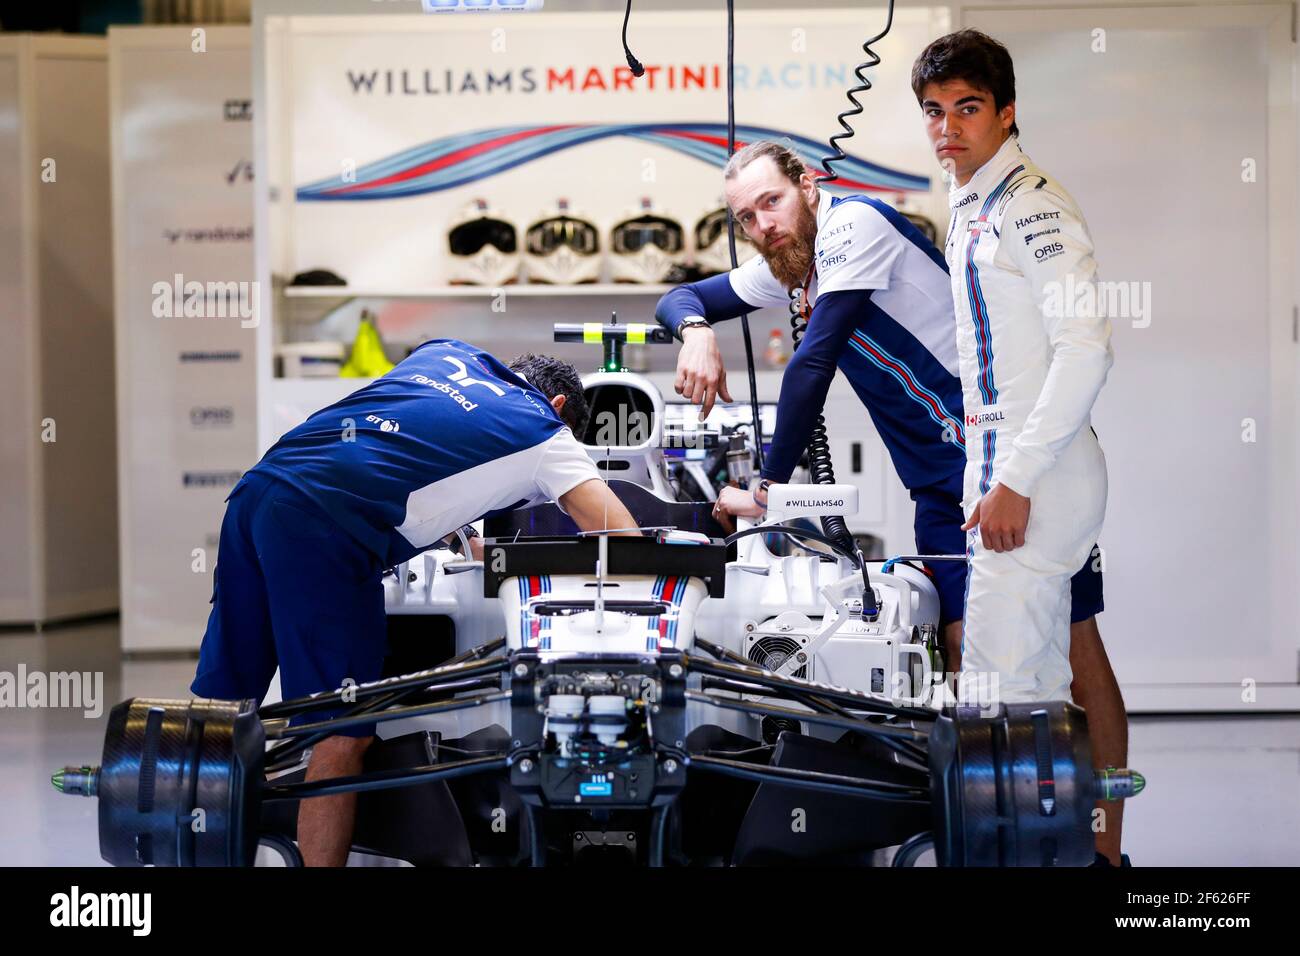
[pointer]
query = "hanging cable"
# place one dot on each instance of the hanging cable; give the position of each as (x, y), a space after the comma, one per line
(864, 85)
(820, 467)
(731, 231)
(632, 62)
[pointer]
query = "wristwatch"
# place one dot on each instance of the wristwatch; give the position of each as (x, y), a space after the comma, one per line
(453, 539)
(695, 321)
(763, 485)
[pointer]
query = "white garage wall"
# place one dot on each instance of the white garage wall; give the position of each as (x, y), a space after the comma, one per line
(1198, 418)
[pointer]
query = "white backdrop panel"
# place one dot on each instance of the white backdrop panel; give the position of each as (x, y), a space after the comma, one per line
(1200, 525)
(187, 400)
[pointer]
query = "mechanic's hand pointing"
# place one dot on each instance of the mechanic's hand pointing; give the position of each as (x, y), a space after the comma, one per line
(700, 375)
(1002, 516)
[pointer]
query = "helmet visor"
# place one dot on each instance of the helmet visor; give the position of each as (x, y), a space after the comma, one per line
(713, 225)
(546, 236)
(635, 234)
(469, 237)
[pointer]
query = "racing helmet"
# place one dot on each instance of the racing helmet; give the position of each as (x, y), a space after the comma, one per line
(645, 247)
(712, 251)
(561, 248)
(484, 248)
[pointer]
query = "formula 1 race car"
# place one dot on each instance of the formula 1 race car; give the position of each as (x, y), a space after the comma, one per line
(683, 698)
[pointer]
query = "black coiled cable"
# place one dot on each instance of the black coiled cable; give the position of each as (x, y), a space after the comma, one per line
(820, 467)
(864, 85)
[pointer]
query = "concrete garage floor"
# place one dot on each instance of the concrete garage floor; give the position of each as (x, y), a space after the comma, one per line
(1222, 791)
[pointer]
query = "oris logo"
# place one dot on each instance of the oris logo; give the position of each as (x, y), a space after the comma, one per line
(385, 424)
(832, 261)
(1049, 250)
(204, 416)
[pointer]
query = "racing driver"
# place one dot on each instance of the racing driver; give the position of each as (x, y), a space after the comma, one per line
(1034, 350)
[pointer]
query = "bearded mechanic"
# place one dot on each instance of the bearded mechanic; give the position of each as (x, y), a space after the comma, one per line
(881, 311)
(1032, 365)
(448, 436)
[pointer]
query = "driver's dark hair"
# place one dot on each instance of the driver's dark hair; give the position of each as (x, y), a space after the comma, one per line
(552, 377)
(972, 56)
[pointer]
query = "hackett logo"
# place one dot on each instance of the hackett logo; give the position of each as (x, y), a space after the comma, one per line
(1036, 217)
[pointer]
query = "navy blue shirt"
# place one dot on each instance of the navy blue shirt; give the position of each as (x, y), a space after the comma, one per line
(448, 436)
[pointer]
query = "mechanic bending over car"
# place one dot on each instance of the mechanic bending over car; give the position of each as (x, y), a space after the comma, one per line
(448, 436)
(879, 307)
(1031, 369)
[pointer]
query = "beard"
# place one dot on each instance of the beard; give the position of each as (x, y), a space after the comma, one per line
(791, 260)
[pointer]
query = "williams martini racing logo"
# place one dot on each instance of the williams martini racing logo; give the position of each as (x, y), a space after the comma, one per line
(417, 80)
(469, 156)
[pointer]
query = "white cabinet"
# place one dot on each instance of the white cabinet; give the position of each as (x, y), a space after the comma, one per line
(187, 408)
(58, 482)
